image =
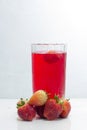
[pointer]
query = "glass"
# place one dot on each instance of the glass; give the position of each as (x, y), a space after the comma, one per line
(49, 68)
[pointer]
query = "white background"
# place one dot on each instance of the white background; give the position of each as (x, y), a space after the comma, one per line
(23, 22)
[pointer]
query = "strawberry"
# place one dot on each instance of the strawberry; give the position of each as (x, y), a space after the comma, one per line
(40, 110)
(26, 112)
(52, 109)
(51, 57)
(66, 108)
(45, 107)
(39, 98)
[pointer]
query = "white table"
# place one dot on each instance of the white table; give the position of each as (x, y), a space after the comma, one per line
(77, 120)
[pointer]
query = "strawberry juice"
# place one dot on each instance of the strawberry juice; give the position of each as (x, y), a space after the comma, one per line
(48, 72)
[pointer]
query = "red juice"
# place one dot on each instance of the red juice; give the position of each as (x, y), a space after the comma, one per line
(48, 72)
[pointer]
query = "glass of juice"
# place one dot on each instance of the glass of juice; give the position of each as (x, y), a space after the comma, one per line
(49, 68)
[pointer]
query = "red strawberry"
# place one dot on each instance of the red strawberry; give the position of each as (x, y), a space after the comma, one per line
(26, 112)
(40, 110)
(66, 108)
(51, 57)
(52, 109)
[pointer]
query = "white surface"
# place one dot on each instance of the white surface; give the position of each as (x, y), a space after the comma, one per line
(77, 120)
(23, 22)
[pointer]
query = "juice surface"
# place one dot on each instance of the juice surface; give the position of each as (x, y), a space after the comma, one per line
(48, 71)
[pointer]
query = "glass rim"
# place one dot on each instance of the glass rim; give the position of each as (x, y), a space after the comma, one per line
(36, 47)
(63, 44)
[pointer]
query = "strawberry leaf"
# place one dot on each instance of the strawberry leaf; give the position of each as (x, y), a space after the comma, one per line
(56, 98)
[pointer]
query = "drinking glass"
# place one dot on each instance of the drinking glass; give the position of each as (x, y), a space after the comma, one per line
(49, 68)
